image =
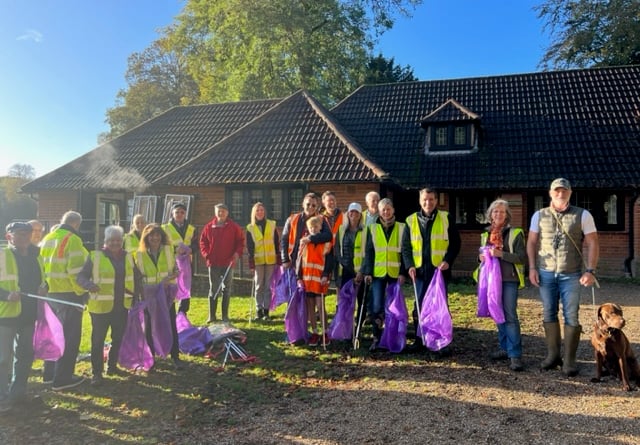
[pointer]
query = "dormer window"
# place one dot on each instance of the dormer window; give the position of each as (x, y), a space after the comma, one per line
(450, 128)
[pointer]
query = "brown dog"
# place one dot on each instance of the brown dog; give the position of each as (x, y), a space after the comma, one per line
(614, 354)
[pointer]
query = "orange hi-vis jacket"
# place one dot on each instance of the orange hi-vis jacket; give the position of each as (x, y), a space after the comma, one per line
(313, 261)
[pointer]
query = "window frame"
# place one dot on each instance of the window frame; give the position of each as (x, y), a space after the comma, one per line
(243, 198)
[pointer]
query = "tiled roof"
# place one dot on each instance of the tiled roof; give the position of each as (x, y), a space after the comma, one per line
(143, 154)
(296, 141)
(580, 124)
(450, 111)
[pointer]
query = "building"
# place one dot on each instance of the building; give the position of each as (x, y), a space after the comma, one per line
(472, 139)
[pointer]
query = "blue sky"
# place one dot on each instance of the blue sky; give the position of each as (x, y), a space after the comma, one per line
(63, 62)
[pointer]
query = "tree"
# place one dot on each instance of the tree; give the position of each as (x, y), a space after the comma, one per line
(591, 32)
(232, 50)
(24, 171)
(157, 80)
(381, 70)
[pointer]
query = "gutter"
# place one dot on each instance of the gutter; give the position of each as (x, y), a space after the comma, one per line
(628, 272)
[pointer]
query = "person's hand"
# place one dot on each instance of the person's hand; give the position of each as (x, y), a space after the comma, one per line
(286, 265)
(94, 288)
(412, 273)
(304, 241)
(534, 278)
(43, 289)
(358, 278)
(497, 253)
(368, 279)
(443, 266)
(324, 280)
(400, 280)
(300, 283)
(587, 279)
(14, 296)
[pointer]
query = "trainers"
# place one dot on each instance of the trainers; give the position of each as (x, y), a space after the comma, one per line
(314, 339)
(500, 354)
(516, 364)
(72, 383)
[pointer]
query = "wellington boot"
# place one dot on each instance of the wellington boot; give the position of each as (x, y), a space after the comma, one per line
(552, 338)
(213, 306)
(571, 341)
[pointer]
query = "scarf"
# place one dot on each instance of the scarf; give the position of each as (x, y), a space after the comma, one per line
(495, 236)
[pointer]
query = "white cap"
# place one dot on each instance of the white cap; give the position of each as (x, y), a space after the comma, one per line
(355, 206)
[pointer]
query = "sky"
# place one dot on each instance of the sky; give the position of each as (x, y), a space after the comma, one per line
(62, 63)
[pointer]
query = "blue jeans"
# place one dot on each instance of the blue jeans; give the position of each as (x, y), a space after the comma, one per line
(556, 288)
(509, 331)
(23, 359)
(376, 303)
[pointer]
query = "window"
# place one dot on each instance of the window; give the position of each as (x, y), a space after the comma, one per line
(444, 137)
(460, 135)
(607, 213)
(145, 205)
(280, 202)
(470, 209)
(170, 200)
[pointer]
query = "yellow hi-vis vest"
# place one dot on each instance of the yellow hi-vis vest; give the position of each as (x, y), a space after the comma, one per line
(152, 273)
(358, 247)
(131, 242)
(264, 247)
(63, 255)
(387, 253)
(103, 275)
(513, 234)
(9, 282)
(174, 237)
(439, 238)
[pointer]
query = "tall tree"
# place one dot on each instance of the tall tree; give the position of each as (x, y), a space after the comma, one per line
(157, 80)
(382, 70)
(591, 32)
(231, 50)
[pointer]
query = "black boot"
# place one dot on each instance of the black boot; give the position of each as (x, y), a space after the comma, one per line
(259, 315)
(213, 305)
(265, 314)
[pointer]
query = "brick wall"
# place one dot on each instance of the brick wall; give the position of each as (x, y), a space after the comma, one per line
(52, 205)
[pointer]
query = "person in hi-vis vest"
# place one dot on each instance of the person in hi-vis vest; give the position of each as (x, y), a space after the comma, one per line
(263, 247)
(430, 242)
(108, 276)
(182, 235)
(382, 263)
(508, 245)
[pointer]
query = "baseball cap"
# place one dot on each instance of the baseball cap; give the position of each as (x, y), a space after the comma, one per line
(560, 182)
(222, 206)
(178, 205)
(18, 226)
(355, 206)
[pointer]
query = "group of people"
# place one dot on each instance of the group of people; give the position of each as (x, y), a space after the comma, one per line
(367, 247)
(372, 247)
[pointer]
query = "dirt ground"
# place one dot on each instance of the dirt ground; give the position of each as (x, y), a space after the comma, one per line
(375, 399)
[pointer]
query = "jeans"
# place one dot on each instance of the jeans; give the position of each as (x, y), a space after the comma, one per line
(100, 323)
(509, 331)
(557, 287)
(377, 303)
(61, 371)
(23, 359)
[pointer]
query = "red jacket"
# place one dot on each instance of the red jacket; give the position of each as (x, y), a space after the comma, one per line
(219, 244)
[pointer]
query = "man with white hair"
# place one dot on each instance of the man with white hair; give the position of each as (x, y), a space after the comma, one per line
(64, 254)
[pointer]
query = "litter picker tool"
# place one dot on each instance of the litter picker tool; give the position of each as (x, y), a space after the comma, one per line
(53, 300)
(356, 338)
(253, 300)
(222, 278)
(415, 294)
(324, 323)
